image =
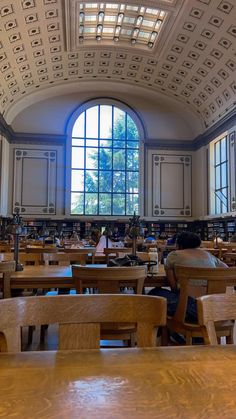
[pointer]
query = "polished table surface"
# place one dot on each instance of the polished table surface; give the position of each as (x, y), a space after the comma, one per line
(61, 277)
(165, 382)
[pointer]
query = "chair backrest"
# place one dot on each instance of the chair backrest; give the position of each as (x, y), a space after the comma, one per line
(30, 258)
(6, 268)
(38, 249)
(214, 308)
(107, 279)
(6, 257)
(118, 251)
(88, 251)
(79, 317)
(200, 281)
(226, 247)
(64, 259)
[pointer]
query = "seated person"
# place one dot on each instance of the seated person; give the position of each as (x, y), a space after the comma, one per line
(188, 253)
(171, 240)
(104, 242)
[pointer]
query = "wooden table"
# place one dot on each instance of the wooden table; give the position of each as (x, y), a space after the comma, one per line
(168, 382)
(46, 277)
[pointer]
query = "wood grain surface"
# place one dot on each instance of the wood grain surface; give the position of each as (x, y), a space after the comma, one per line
(183, 382)
(61, 277)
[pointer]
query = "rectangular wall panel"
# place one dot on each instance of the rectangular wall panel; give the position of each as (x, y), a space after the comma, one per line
(35, 181)
(171, 185)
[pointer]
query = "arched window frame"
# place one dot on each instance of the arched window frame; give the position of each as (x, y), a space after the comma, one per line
(141, 130)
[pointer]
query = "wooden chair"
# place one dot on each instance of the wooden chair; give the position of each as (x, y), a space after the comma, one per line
(87, 251)
(111, 280)
(64, 259)
(226, 247)
(116, 251)
(6, 268)
(80, 316)
(195, 282)
(214, 308)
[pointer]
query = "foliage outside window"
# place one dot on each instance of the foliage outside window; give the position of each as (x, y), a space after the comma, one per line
(105, 163)
(221, 176)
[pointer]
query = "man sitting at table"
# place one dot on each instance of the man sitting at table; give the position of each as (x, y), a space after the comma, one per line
(188, 253)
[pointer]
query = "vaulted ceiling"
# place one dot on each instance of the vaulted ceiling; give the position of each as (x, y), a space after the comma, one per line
(182, 48)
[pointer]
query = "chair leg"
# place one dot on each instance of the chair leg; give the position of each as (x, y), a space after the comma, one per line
(188, 338)
(164, 336)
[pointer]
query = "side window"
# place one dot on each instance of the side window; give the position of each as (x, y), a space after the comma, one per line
(104, 162)
(220, 184)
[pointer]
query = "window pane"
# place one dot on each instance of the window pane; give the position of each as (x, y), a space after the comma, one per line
(132, 132)
(78, 129)
(77, 180)
(78, 142)
(132, 144)
(91, 203)
(119, 143)
(132, 182)
(119, 159)
(105, 143)
(223, 175)
(132, 204)
(104, 146)
(92, 143)
(217, 153)
(77, 203)
(217, 174)
(91, 181)
(105, 121)
(91, 158)
(77, 158)
(105, 204)
(92, 122)
(218, 206)
(119, 129)
(118, 182)
(118, 204)
(105, 179)
(223, 149)
(105, 159)
(132, 159)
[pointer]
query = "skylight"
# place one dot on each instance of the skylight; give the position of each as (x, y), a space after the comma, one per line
(119, 23)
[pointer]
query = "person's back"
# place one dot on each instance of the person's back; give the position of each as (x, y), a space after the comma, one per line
(195, 257)
(188, 253)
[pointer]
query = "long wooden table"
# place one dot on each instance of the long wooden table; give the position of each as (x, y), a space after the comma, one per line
(46, 277)
(165, 382)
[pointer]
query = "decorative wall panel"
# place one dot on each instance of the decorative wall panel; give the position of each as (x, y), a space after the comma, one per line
(171, 186)
(35, 181)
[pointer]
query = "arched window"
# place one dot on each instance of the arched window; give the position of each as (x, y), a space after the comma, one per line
(104, 162)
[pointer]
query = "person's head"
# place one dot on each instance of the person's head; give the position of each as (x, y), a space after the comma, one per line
(188, 240)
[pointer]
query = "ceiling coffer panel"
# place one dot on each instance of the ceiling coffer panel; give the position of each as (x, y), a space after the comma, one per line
(185, 49)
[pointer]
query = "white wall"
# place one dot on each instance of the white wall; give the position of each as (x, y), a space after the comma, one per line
(163, 117)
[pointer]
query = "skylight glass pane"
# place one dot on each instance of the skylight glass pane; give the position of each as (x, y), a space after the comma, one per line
(129, 20)
(105, 121)
(145, 35)
(148, 23)
(92, 122)
(108, 30)
(126, 32)
(110, 18)
(134, 8)
(89, 30)
(90, 18)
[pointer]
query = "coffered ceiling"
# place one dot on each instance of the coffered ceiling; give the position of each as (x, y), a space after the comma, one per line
(184, 49)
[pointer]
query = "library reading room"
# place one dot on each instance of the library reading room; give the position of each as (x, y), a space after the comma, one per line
(117, 209)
